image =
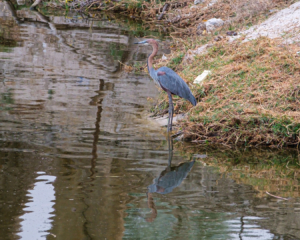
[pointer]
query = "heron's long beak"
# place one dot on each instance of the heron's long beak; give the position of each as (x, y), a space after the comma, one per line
(142, 42)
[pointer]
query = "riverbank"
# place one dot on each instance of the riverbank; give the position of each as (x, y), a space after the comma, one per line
(251, 97)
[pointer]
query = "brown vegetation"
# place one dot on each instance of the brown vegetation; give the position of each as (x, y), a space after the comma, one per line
(180, 17)
(252, 96)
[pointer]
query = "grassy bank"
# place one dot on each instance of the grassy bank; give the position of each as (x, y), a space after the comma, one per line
(251, 98)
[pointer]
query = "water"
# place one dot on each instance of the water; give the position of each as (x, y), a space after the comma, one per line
(80, 160)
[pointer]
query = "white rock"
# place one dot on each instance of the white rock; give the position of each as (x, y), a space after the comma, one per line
(201, 77)
(212, 2)
(163, 121)
(21, 2)
(198, 1)
(213, 23)
(189, 56)
(164, 57)
(284, 24)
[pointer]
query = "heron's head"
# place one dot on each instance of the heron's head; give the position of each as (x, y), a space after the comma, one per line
(147, 42)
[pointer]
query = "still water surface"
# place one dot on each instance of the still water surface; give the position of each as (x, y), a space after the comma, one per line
(79, 160)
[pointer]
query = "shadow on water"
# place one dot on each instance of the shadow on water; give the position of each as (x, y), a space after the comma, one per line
(80, 160)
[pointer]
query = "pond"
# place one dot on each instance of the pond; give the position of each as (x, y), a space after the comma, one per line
(79, 158)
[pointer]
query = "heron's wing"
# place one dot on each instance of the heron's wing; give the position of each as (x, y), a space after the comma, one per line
(171, 81)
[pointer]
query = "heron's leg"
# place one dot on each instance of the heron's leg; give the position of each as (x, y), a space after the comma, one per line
(168, 127)
(172, 114)
(170, 146)
(171, 108)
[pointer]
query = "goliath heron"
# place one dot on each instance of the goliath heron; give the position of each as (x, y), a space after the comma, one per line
(168, 80)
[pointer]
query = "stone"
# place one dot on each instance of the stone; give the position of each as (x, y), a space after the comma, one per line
(231, 33)
(21, 2)
(163, 121)
(189, 56)
(201, 77)
(284, 24)
(213, 2)
(218, 38)
(213, 23)
(198, 1)
(200, 28)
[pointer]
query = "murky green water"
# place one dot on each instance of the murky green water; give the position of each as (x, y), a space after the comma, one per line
(79, 160)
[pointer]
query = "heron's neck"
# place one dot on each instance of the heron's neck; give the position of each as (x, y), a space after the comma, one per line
(150, 58)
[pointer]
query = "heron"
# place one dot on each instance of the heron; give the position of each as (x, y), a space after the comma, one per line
(168, 80)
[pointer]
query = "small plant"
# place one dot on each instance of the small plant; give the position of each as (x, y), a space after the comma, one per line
(176, 61)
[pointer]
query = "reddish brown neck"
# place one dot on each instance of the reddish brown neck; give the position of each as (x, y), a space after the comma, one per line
(150, 58)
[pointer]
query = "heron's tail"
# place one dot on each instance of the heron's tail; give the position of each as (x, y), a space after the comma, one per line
(192, 99)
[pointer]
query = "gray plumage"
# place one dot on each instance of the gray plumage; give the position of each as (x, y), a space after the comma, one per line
(172, 82)
(168, 80)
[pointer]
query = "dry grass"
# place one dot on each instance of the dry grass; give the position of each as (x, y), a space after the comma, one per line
(182, 16)
(248, 9)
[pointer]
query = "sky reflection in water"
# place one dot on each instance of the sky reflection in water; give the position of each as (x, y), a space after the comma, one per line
(38, 210)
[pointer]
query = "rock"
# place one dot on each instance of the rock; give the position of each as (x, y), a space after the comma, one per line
(218, 38)
(213, 23)
(21, 2)
(231, 39)
(201, 77)
(175, 19)
(212, 2)
(198, 1)
(179, 137)
(231, 33)
(200, 28)
(164, 57)
(189, 56)
(284, 24)
(163, 121)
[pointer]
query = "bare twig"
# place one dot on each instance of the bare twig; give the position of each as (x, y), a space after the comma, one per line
(165, 8)
(277, 196)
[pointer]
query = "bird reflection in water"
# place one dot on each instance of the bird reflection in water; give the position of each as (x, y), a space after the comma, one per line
(168, 179)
